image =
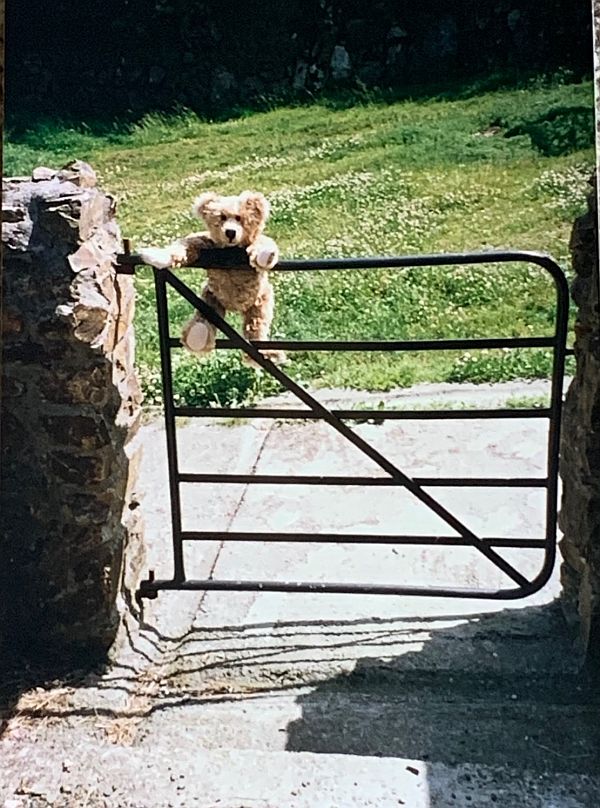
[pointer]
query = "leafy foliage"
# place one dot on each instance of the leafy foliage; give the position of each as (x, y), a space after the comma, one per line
(559, 131)
(222, 381)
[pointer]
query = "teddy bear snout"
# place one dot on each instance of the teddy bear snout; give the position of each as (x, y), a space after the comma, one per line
(230, 234)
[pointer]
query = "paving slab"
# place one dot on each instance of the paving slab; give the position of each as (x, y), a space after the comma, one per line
(457, 448)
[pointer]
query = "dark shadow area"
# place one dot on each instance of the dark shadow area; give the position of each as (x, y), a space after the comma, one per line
(20, 673)
(479, 693)
(115, 60)
(34, 665)
(498, 689)
(40, 129)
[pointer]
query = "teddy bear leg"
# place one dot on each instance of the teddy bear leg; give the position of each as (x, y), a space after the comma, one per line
(257, 322)
(198, 335)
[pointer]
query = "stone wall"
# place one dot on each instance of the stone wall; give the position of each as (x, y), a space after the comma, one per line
(70, 408)
(580, 450)
(580, 464)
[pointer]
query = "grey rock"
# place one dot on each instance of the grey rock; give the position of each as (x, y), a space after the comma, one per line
(223, 84)
(397, 33)
(300, 75)
(79, 173)
(340, 63)
(441, 41)
(513, 18)
(371, 73)
(156, 74)
(42, 174)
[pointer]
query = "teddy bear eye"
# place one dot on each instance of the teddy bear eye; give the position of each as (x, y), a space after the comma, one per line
(223, 217)
(238, 218)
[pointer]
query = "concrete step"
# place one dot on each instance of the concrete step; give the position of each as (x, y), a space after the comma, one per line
(449, 722)
(169, 776)
(424, 739)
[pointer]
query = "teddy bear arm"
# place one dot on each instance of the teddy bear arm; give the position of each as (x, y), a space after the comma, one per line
(181, 253)
(191, 247)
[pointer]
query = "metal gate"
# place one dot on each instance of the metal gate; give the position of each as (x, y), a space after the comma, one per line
(393, 475)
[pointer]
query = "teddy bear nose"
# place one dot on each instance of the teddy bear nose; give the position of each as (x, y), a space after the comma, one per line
(230, 234)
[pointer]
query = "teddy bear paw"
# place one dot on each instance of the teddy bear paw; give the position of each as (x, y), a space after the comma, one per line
(156, 257)
(198, 338)
(262, 258)
(163, 257)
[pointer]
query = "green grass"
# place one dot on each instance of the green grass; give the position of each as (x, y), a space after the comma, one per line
(526, 402)
(502, 169)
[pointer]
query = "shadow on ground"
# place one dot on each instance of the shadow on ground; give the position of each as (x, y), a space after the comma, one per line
(501, 705)
(494, 689)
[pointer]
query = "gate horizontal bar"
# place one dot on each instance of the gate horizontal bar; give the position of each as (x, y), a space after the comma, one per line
(150, 588)
(290, 479)
(388, 345)
(362, 415)
(398, 345)
(356, 538)
(236, 258)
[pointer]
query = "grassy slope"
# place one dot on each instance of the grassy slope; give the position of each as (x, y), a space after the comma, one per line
(409, 177)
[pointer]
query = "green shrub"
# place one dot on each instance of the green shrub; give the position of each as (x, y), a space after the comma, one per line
(559, 131)
(221, 380)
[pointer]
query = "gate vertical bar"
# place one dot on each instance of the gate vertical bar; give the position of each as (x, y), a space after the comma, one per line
(171, 435)
(558, 372)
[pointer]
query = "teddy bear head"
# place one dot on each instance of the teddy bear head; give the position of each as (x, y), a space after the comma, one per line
(233, 220)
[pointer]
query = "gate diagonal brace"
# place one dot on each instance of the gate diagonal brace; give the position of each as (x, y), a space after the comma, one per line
(326, 415)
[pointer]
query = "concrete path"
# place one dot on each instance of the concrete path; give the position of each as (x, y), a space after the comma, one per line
(267, 699)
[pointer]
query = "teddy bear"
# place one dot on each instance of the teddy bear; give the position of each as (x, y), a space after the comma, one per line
(231, 221)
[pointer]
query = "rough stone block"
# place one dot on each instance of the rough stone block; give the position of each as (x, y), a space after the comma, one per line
(580, 449)
(79, 431)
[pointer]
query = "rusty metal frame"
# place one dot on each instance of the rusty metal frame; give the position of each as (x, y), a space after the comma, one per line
(394, 476)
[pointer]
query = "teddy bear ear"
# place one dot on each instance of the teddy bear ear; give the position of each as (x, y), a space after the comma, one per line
(202, 203)
(256, 205)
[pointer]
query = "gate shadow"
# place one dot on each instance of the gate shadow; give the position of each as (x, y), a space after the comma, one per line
(485, 692)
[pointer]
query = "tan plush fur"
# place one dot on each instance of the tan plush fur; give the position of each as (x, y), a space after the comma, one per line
(231, 221)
